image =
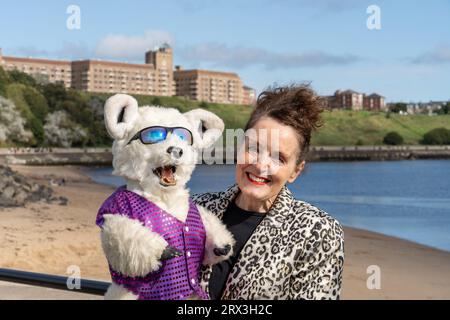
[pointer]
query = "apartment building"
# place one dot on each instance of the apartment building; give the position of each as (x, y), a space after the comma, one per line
(41, 69)
(374, 102)
(429, 108)
(155, 77)
(152, 78)
(208, 86)
(162, 60)
(248, 95)
(350, 99)
(111, 77)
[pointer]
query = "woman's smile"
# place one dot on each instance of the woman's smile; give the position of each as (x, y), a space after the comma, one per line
(257, 180)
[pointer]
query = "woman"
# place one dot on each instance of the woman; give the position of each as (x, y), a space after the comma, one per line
(285, 248)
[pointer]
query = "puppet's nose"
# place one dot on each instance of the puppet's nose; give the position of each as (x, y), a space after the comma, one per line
(175, 152)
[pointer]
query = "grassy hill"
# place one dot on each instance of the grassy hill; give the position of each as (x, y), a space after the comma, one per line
(341, 127)
(234, 115)
(345, 127)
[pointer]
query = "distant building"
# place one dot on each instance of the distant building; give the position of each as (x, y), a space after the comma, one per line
(42, 69)
(162, 60)
(208, 86)
(350, 99)
(152, 78)
(248, 96)
(411, 108)
(374, 102)
(429, 108)
(155, 77)
(328, 102)
(110, 77)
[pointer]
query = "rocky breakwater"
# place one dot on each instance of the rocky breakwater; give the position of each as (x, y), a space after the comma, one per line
(18, 190)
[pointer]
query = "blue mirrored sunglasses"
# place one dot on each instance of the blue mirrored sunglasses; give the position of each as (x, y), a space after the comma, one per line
(157, 134)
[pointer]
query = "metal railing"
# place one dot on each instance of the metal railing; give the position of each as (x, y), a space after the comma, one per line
(52, 281)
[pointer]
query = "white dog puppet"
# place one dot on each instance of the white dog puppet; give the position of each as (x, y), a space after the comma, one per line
(154, 237)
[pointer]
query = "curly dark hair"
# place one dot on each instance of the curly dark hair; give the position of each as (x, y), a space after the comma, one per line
(297, 106)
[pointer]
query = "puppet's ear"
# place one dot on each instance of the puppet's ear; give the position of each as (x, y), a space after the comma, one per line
(214, 126)
(121, 111)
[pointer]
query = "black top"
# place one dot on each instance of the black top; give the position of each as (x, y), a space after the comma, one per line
(241, 223)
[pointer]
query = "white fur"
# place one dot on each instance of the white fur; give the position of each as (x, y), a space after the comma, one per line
(131, 248)
(210, 121)
(113, 108)
(117, 292)
(217, 236)
(135, 161)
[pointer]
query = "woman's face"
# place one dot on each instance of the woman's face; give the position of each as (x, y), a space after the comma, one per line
(267, 160)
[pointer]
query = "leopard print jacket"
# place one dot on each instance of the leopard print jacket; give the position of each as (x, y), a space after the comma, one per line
(296, 252)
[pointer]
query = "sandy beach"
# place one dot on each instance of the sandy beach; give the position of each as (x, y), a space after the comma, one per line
(49, 238)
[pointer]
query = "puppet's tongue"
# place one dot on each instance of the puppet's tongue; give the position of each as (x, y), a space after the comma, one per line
(166, 176)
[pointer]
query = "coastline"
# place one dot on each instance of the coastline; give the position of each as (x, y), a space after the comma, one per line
(49, 238)
(103, 156)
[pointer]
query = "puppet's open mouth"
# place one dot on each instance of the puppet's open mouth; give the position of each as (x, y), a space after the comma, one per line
(166, 175)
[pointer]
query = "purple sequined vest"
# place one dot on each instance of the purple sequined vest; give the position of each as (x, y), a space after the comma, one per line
(178, 278)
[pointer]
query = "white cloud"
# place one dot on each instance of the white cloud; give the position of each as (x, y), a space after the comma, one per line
(439, 55)
(333, 6)
(222, 55)
(68, 50)
(131, 47)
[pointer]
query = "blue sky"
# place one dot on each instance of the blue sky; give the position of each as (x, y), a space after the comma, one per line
(326, 42)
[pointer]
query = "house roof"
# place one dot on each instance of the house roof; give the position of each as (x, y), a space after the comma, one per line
(350, 91)
(375, 95)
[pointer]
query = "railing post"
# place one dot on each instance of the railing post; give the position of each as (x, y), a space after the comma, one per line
(52, 281)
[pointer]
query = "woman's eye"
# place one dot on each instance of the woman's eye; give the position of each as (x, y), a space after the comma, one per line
(278, 160)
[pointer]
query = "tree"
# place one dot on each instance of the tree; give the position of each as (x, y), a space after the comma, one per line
(438, 136)
(37, 103)
(204, 105)
(445, 108)
(38, 131)
(12, 124)
(4, 81)
(16, 93)
(21, 77)
(61, 130)
(393, 138)
(55, 93)
(156, 101)
(400, 106)
(97, 104)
